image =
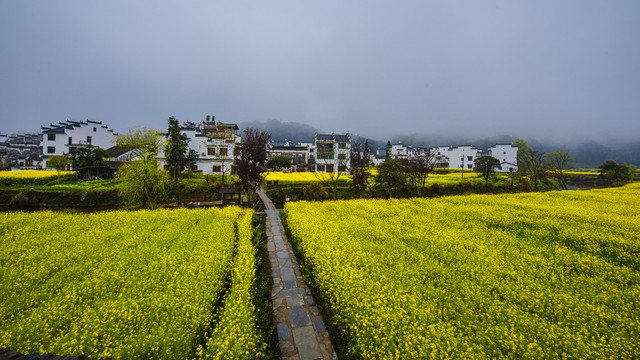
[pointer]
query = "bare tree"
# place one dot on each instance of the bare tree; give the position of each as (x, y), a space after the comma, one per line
(252, 159)
(557, 163)
(534, 166)
(419, 168)
(359, 163)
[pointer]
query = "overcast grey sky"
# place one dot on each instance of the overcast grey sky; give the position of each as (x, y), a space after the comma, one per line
(558, 69)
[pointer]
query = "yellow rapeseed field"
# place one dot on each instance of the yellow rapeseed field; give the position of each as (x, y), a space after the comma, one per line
(536, 275)
(30, 177)
(128, 285)
(302, 177)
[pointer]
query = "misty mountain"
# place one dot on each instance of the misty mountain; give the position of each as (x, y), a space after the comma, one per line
(281, 130)
(587, 153)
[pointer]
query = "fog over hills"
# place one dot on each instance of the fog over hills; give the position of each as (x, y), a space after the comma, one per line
(588, 152)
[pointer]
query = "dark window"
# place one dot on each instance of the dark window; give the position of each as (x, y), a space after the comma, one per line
(342, 168)
(70, 140)
(88, 139)
(216, 168)
(342, 156)
(94, 130)
(320, 168)
(51, 149)
(469, 158)
(211, 151)
(51, 137)
(342, 145)
(223, 151)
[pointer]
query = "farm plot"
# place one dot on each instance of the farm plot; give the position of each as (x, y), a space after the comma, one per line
(539, 275)
(163, 284)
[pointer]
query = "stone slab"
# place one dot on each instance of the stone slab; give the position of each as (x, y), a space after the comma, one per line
(283, 331)
(318, 323)
(298, 316)
(306, 342)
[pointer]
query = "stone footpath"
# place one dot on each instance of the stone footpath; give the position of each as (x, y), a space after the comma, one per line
(301, 331)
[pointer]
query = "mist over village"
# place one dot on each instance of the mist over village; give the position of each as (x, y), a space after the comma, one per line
(331, 180)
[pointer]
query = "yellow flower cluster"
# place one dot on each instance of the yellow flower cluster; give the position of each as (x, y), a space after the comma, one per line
(134, 285)
(30, 177)
(537, 275)
(303, 177)
(235, 336)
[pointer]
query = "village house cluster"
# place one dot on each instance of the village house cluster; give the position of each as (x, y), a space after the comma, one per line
(217, 145)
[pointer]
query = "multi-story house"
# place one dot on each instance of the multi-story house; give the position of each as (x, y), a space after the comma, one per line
(216, 143)
(507, 154)
(462, 156)
(332, 153)
(21, 150)
(297, 153)
(59, 139)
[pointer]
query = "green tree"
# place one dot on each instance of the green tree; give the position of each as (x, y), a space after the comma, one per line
(192, 159)
(58, 162)
(278, 162)
(175, 149)
(142, 181)
(557, 163)
(145, 143)
(486, 167)
(86, 156)
(392, 176)
(616, 172)
(388, 151)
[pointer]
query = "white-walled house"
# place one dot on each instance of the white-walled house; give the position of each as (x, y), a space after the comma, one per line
(507, 154)
(215, 142)
(332, 153)
(59, 139)
(297, 153)
(462, 156)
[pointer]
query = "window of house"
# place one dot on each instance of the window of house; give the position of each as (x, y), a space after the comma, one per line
(211, 151)
(94, 130)
(469, 158)
(342, 156)
(51, 137)
(342, 168)
(88, 139)
(70, 140)
(216, 168)
(470, 166)
(328, 168)
(320, 168)
(342, 145)
(223, 151)
(51, 149)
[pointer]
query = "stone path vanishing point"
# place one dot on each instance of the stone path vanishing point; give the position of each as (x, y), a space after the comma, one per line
(301, 331)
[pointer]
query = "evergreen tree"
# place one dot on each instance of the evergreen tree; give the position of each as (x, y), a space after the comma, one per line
(175, 149)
